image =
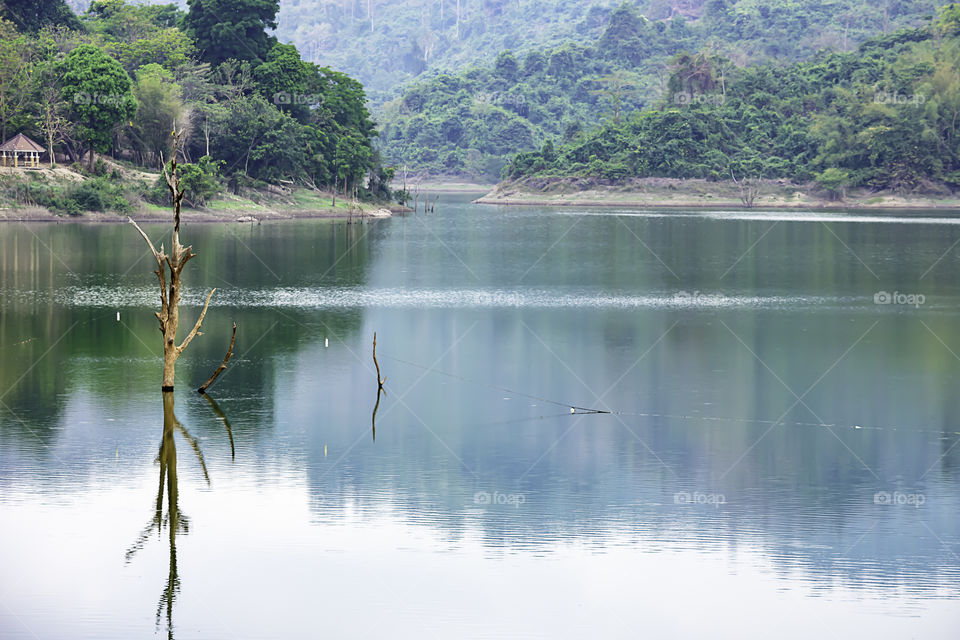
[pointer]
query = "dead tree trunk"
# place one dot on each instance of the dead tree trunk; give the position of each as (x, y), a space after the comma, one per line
(169, 314)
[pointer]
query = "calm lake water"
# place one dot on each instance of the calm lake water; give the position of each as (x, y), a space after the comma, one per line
(780, 458)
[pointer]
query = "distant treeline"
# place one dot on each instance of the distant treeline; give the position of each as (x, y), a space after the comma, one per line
(474, 121)
(884, 117)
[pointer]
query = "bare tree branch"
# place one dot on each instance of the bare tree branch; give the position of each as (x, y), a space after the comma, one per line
(158, 255)
(196, 328)
(223, 365)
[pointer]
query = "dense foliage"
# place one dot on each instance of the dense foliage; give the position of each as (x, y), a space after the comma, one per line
(883, 117)
(32, 15)
(252, 109)
(386, 42)
(472, 122)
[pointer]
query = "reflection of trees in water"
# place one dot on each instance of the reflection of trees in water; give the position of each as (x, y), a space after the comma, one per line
(174, 521)
(800, 499)
(42, 342)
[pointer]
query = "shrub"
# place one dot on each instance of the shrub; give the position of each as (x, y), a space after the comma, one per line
(200, 182)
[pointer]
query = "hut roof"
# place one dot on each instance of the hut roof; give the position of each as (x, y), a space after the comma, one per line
(21, 142)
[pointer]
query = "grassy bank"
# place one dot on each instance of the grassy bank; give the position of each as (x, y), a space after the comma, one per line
(117, 191)
(666, 192)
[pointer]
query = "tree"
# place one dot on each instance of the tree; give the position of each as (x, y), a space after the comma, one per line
(692, 75)
(201, 181)
(137, 35)
(283, 78)
(506, 67)
(158, 107)
(32, 15)
(616, 87)
(169, 314)
(15, 83)
(949, 18)
(53, 123)
(99, 92)
(834, 181)
(232, 29)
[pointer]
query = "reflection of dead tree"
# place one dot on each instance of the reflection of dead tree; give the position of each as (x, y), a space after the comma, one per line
(175, 521)
(749, 189)
(169, 314)
(380, 389)
(223, 365)
(226, 423)
(373, 418)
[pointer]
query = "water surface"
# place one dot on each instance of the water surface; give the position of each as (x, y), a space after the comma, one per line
(777, 454)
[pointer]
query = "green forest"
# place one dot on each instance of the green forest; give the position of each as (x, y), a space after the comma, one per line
(883, 117)
(842, 92)
(118, 78)
(474, 121)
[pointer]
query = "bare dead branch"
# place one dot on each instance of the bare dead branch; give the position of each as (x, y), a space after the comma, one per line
(223, 365)
(196, 328)
(158, 255)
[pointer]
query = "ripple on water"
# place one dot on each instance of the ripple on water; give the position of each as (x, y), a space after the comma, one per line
(400, 298)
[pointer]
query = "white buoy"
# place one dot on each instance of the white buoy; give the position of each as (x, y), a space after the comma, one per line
(324, 451)
(572, 410)
(326, 342)
(118, 316)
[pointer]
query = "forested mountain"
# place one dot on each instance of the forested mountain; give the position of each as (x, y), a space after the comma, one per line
(884, 117)
(472, 122)
(462, 86)
(384, 43)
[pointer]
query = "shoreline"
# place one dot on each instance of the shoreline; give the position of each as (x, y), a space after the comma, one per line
(723, 205)
(257, 216)
(671, 193)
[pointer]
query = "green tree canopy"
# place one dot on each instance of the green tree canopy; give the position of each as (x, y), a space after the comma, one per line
(33, 15)
(232, 29)
(99, 92)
